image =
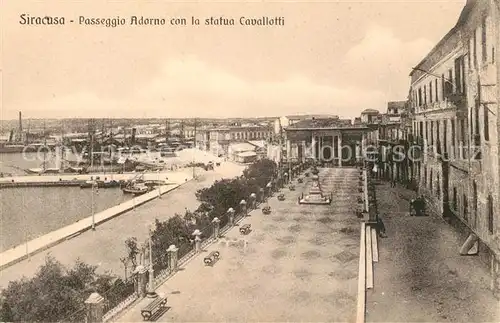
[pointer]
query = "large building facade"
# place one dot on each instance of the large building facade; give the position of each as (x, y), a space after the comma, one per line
(328, 141)
(454, 97)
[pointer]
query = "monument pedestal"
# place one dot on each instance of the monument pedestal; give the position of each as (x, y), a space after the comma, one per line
(315, 196)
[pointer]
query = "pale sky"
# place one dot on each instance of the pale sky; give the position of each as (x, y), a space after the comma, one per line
(335, 57)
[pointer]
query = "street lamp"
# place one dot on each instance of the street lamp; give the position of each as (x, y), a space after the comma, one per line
(151, 292)
(94, 187)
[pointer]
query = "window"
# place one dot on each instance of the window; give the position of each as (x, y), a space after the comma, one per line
(484, 48)
(425, 175)
(419, 96)
(450, 82)
(432, 132)
(425, 94)
(430, 181)
(453, 137)
(465, 208)
(474, 48)
(469, 54)
(438, 136)
(445, 135)
(443, 87)
(458, 79)
(474, 187)
(438, 187)
(421, 129)
(430, 92)
(471, 123)
(490, 214)
(455, 202)
(437, 92)
(486, 123)
(476, 120)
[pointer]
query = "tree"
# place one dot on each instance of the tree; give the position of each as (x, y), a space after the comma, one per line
(53, 294)
(262, 171)
(224, 194)
(132, 251)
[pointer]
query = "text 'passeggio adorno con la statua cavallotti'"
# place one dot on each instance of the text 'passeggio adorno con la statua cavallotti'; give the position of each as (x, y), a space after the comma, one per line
(112, 22)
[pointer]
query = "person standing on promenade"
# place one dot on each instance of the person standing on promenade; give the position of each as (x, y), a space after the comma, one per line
(380, 226)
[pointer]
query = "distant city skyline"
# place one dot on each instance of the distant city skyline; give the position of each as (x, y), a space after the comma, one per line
(329, 58)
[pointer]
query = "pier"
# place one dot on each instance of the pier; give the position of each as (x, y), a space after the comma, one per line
(171, 177)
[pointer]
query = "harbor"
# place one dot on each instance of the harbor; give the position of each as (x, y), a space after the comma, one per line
(23, 251)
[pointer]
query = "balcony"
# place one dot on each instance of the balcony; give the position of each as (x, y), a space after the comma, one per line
(456, 100)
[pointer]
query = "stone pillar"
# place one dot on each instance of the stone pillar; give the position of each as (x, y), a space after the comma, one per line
(339, 143)
(197, 240)
(243, 205)
(141, 280)
(288, 149)
(495, 276)
(313, 146)
(216, 224)
(253, 201)
(230, 214)
(173, 252)
(95, 308)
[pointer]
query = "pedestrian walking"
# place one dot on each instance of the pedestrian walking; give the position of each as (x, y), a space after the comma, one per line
(381, 228)
(393, 182)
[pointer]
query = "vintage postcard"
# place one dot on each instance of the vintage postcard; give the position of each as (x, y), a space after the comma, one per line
(250, 161)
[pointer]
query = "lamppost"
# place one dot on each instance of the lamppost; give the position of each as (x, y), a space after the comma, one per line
(94, 188)
(230, 213)
(151, 291)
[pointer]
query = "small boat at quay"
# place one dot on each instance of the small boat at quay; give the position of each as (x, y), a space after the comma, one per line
(136, 189)
(100, 184)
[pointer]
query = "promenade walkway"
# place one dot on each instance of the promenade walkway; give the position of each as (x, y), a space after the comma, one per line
(298, 264)
(105, 246)
(420, 276)
(170, 176)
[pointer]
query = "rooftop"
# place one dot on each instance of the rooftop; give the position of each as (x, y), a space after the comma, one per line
(440, 49)
(370, 111)
(322, 124)
(311, 116)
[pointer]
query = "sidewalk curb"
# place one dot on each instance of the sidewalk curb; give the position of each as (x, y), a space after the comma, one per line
(361, 305)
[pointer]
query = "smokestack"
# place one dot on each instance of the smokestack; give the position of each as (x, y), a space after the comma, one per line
(133, 136)
(20, 123)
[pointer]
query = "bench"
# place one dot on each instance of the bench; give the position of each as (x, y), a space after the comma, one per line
(158, 304)
(211, 258)
(245, 229)
(281, 197)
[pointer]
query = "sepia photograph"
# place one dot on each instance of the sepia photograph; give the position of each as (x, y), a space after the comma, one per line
(250, 161)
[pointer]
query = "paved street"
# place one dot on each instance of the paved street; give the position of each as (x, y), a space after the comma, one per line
(105, 246)
(300, 263)
(420, 276)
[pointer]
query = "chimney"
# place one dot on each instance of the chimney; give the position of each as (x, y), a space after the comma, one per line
(132, 139)
(20, 123)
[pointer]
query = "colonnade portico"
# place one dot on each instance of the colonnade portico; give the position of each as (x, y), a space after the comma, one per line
(334, 146)
(327, 146)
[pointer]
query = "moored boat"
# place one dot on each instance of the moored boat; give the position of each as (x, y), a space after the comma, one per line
(136, 189)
